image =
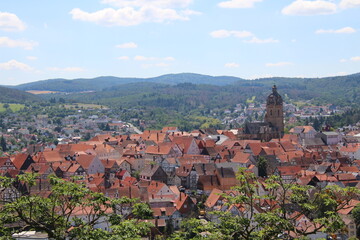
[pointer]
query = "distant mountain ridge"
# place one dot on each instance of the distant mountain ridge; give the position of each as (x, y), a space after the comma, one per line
(335, 89)
(100, 83)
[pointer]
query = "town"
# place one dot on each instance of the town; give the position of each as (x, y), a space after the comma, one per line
(182, 175)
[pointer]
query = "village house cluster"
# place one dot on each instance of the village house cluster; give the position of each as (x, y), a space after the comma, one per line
(173, 170)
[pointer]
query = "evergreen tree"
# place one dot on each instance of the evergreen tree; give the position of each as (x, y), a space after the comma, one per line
(3, 144)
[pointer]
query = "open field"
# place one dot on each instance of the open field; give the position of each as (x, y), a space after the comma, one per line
(251, 100)
(37, 92)
(13, 106)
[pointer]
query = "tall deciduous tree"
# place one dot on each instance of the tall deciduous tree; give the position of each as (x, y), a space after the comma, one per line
(70, 211)
(285, 202)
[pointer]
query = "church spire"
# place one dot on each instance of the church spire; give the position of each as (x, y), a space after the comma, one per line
(274, 89)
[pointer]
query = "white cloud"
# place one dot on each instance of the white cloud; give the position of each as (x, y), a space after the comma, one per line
(278, 64)
(10, 22)
(143, 58)
(66, 69)
(7, 42)
(169, 59)
(129, 16)
(154, 3)
(238, 3)
(343, 60)
(232, 65)
(124, 58)
(161, 64)
(308, 8)
(261, 41)
(349, 3)
(338, 31)
(226, 33)
(32, 58)
(355, 59)
(127, 45)
(13, 64)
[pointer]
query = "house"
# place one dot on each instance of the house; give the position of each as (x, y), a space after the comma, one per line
(184, 204)
(163, 150)
(345, 214)
(226, 177)
(187, 145)
(43, 169)
(6, 164)
(111, 167)
(22, 161)
(330, 138)
(304, 132)
(351, 150)
(92, 164)
(153, 173)
(288, 173)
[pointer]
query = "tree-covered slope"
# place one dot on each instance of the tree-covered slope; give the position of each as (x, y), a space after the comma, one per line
(8, 95)
(99, 83)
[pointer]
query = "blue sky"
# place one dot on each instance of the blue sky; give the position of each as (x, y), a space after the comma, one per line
(45, 39)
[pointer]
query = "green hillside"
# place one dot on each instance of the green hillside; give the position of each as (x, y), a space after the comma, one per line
(99, 83)
(8, 95)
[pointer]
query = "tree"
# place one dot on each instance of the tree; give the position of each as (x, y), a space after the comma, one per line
(3, 144)
(262, 166)
(285, 203)
(57, 214)
(356, 215)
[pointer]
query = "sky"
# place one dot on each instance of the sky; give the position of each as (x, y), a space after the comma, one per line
(44, 39)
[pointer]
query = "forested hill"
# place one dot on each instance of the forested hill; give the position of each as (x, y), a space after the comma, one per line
(99, 83)
(8, 95)
(205, 89)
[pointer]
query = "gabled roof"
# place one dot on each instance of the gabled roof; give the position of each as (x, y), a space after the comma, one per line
(160, 149)
(241, 157)
(85, 160)
(149, 170)
(213, 198)
(19, 159)
(288, 170)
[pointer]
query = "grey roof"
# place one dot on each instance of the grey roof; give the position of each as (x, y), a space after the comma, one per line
(330, 133)
(313, 142)
(234, 165)
(149, 170)
(255, 128)
(226, 172)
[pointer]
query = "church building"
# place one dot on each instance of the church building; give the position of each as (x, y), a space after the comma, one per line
(273, 125)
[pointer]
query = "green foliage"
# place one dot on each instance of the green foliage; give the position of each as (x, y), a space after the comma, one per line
(14, 107)
(321, 208)
(57, 214)
(3, 144)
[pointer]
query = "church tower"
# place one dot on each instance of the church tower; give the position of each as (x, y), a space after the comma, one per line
(275, 113)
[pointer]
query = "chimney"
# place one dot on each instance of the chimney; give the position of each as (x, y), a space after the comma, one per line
(184, 168)
(129, 191)
(204, 170)
(180, 197)
(222, 171)
(211, 180)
